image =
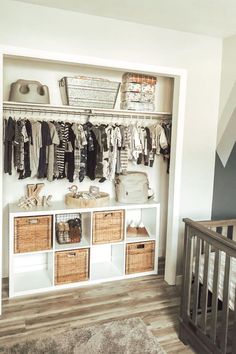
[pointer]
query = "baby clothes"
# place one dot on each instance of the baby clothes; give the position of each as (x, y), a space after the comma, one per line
(51, 155)
(46, 141)
(80, 143)
(9, 133)
(69, 154)
(115, 143)
(61, 149)
(56, 150)
(35, 146)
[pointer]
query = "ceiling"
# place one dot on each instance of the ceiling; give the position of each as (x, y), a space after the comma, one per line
(208, 17)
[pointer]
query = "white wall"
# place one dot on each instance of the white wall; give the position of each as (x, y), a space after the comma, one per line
(50, 29)
(228, 80)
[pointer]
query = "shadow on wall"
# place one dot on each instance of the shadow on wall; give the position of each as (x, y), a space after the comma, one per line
(224, 194)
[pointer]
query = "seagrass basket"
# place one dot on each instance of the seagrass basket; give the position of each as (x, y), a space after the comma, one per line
(33, 233)
(108, 226)
(140, 257)
(72, 266)
(102, 200)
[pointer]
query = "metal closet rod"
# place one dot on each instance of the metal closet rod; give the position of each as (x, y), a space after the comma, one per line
(86, 112)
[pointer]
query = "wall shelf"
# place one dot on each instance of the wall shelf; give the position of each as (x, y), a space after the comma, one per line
(140, 239)
(29, 281)
(105, 270)
(30, 108)
(72, 246)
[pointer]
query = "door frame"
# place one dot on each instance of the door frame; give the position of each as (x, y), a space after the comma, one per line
(179, 100)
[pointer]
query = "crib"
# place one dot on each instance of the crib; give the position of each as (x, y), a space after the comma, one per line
(207, 319)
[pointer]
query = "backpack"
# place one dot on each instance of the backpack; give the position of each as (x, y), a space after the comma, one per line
(132, 187)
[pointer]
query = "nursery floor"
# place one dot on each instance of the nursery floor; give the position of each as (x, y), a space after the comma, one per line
(149, 298)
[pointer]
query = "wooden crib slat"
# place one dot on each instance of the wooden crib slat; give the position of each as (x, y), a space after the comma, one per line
(186, 288)
(196, 280)
(234, 232)
(225, 314)
(193, 332)
(215, 295)
(205, 288)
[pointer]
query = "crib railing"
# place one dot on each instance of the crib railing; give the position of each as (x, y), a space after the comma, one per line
(206, 320)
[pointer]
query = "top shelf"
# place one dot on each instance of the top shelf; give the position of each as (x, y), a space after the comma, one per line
(59, 207)
(74, 110)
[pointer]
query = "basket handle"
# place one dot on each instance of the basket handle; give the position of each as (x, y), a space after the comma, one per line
(33, 221)
(107, 214)
(71, 254)
(141, 246)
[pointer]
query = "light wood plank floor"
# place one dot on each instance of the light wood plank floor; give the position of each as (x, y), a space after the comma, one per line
(148, 297)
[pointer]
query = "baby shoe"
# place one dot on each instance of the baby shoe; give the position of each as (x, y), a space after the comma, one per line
(66, 233)
(60, 232)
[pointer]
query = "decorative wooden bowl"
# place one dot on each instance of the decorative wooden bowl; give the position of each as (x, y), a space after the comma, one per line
(102, 200)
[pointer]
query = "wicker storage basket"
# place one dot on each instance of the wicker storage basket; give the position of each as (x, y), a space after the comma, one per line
(87, 203)
(32, 233)
(108, 226)
(140, 257)
(72, 266)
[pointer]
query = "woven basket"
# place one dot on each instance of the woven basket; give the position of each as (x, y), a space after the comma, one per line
(108, 226)
(87, 203)
(72, 266)
(140, 257)
(32, 233)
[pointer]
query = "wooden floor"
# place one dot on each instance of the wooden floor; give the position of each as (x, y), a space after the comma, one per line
(148, 297)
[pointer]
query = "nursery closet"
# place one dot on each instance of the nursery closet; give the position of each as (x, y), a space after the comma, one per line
(154, 213)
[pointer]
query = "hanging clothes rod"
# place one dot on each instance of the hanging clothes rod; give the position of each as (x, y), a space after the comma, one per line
(27, 108)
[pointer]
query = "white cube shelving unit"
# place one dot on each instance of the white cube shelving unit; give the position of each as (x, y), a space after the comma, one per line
(33, 272)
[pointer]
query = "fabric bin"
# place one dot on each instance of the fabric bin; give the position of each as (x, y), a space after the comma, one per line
(138, 106)
(32, 233)
(71, 266)
(89, 92)
(108, 226)
(134, 87)
(137, 97)
(139, 78)
(131, 87)
(140, 257)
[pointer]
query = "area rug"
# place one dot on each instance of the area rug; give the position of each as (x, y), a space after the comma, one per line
(130, 336)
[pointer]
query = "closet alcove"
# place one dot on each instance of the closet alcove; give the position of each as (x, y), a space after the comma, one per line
(49, 72)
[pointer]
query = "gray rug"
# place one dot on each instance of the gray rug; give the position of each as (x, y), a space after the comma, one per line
(118, 337)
